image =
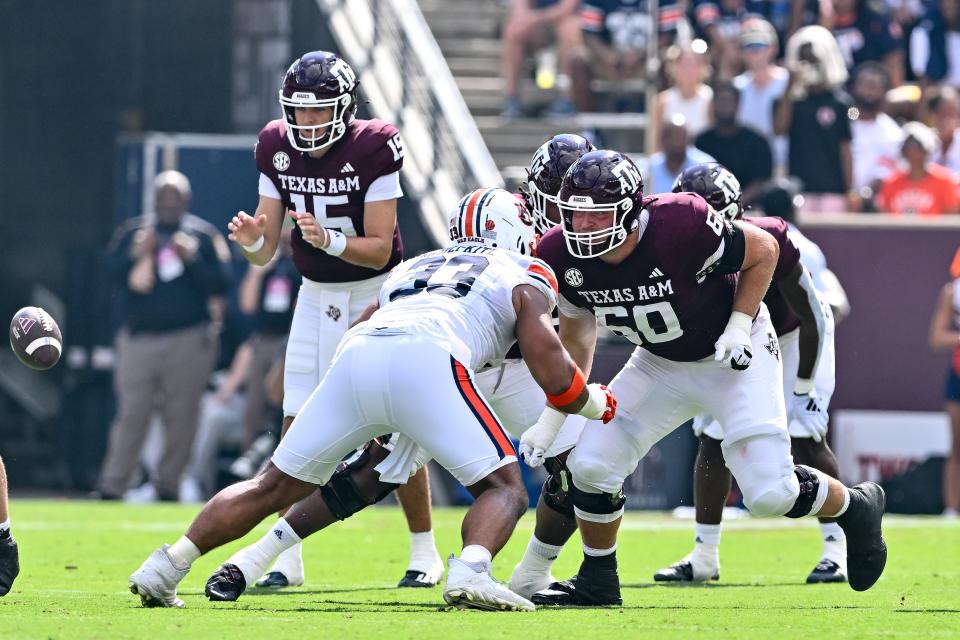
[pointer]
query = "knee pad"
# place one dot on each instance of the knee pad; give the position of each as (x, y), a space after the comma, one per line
(556, 488)
(344, 496)
(813, 493)
(770, 500)
(597, 507)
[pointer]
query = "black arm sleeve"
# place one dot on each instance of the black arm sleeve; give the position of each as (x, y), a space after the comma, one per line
(734, 249)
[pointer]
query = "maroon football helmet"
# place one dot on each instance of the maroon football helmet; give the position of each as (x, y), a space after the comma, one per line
(546, 171)
(318, 79)
(598, 184)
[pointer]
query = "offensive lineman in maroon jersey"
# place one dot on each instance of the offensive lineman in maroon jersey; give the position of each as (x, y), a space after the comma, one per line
(686, 287)
(339, 179)
(804, 328)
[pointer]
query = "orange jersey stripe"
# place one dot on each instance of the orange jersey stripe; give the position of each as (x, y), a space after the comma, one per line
(546, 273)
(468, 222)
(488, 420)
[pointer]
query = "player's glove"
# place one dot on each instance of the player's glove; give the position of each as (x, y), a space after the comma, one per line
(733, 346)
(806, 413)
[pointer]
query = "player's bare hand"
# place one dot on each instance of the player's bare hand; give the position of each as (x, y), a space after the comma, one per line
(246, 229)
(312, 232)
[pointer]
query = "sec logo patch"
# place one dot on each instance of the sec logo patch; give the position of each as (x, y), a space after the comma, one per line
(573, 277)
(281, 161)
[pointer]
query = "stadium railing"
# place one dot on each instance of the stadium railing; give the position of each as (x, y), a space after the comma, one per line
(407, 81)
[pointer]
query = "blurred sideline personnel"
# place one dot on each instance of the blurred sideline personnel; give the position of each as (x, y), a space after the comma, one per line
(9, 555)
(173, 269)
(804, 328)
(686, 287)
(439, 317)
(510, 389)
(945, 335)
(339, 178)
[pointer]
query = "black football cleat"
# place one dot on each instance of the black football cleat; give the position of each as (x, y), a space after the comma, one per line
(273, 580)
(577, 592)
(681, 571)
(866, 548)
(597, 584)
(9, 564)
(827, 571)
(415, 580)
(227, 584)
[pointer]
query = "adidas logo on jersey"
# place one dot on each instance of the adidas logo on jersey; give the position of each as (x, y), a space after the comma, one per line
(656, 273)
(347, 168)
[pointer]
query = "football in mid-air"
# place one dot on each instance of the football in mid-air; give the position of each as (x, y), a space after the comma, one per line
(35, 338)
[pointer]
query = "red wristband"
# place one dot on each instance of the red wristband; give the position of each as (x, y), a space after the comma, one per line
(573, 392)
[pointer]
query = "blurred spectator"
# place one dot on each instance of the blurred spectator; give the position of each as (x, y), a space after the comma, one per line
(945, 335)
(876, 136)
(935, 44)
(722, 22)
(533, 24)
(922, 188)
(743, 151)
(168, 264)
(865, 31)
(762, 84)
(689, 95)
(677, 155)
(617, 37)
(269, 294)
(813, 114)
(945, 109)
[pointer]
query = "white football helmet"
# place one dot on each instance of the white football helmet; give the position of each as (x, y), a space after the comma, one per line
(494, 217)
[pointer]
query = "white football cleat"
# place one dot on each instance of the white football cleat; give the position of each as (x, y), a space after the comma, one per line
(156, 580)
(417, 578)
(525, 582)
(470, 588)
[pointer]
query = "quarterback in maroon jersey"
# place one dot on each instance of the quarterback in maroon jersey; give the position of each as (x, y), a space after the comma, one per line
(686, 287)
(338, 177)
(804, 328)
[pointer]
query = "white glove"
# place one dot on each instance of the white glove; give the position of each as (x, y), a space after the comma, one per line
(806, 413)
(537, 439)
(733, 345)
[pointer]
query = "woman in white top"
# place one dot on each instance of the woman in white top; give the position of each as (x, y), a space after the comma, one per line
(945, 109)
(688, 68)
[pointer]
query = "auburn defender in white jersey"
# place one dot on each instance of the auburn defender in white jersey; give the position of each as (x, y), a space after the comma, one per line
(515, 398)
(804, 328)
(409, 370)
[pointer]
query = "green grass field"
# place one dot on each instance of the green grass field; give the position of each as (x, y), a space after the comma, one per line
(76, 557)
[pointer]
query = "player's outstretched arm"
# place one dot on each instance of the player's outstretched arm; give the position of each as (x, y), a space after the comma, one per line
(258, 235)
(801, 294)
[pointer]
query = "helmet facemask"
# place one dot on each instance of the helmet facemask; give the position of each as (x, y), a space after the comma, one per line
(323, 135)
(591, 244)
(539, 200)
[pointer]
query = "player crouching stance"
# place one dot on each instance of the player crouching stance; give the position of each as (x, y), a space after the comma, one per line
(409, 370)
(685, 286)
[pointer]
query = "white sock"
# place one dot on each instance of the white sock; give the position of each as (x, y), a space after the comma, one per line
(290, 561)
(423, 551)
(254, 560)
(706, 548)
(183, 552)
(477, 555)
(834, 543)
(540, 556)
(596, 553)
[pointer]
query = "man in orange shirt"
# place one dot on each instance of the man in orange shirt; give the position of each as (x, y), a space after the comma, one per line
(922, 188)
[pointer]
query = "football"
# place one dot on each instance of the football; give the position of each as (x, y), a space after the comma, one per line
(35, 338)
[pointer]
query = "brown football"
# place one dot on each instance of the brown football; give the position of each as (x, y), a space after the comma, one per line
(35, 338)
